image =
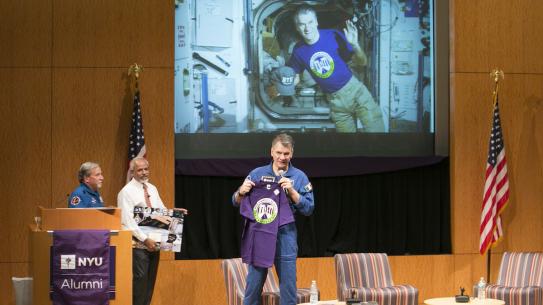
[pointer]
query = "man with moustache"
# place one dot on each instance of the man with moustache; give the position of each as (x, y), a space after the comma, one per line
(140, 193)
(282, 180)
(86, 195)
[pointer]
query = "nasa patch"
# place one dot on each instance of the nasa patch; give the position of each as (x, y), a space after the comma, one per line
(308, 187)
(75, 200)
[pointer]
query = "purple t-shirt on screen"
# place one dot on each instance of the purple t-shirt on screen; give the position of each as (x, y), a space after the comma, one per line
(326, 60)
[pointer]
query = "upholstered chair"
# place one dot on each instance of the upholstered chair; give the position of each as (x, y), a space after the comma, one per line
(520, 281)
(367, 277)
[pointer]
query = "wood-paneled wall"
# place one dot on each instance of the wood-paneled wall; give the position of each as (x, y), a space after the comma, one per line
(65, 98)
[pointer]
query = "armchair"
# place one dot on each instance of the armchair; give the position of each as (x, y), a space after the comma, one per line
(520, 281)
(367, 276)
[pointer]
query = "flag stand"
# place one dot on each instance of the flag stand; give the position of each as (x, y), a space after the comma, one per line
(495, 74)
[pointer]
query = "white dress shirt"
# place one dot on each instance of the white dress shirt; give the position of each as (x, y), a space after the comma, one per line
(132, 195)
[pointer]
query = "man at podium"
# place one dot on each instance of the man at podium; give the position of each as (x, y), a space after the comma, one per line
(86, 195)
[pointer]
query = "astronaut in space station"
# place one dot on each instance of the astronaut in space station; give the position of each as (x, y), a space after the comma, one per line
(325, 54)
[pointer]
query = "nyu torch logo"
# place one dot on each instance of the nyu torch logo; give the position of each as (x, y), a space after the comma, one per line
(70, 261)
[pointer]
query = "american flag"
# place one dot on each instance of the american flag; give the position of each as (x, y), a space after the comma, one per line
(496, 192)
(136, 147)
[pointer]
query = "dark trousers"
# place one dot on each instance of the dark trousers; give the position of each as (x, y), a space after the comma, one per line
(144, 270)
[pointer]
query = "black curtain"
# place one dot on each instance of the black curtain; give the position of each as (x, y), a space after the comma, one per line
(399, 213)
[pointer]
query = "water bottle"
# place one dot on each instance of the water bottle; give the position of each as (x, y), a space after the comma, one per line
(313, 293)
(481, 294)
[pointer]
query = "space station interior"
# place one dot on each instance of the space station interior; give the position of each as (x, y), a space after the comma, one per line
(226, 51)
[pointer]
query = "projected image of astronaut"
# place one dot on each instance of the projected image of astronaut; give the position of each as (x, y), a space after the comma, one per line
(360, 66)
(325, 54)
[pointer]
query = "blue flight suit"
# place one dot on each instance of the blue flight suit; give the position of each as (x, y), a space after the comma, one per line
(286, 249)
(84, 197)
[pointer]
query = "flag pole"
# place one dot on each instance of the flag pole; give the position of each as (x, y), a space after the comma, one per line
(488, 259)
(495, 74)
(136, 145)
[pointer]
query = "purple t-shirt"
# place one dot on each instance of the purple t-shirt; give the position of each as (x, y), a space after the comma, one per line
(265, 208)
(326, 60)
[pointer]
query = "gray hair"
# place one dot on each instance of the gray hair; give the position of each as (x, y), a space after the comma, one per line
(85, 170)
(132, 165)
(304, 9)
(284, 139)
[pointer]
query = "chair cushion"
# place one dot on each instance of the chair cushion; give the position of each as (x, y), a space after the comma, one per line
(528, 295)
(273, 298)
(394, 295)
(303, 295)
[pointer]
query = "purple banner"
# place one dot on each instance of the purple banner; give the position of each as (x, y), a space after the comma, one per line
(80, 267)
(313, 167)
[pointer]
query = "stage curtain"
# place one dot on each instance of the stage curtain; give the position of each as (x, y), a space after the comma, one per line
(399, 213)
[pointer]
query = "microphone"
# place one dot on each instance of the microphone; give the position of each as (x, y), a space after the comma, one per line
(281, 173)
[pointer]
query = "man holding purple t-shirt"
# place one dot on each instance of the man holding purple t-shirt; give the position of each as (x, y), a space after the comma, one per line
(268, 199)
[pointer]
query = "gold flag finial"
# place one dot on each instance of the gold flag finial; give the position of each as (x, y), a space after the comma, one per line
(496, 74)
(136, 70)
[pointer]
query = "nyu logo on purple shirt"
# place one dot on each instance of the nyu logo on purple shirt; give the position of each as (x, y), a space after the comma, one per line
(265, 210)
(326, 60)
(322, 64)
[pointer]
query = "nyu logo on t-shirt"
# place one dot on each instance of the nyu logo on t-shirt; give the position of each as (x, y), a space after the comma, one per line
(322, 64)
(265, 210)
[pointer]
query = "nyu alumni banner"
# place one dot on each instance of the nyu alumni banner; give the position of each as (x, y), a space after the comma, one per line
(80, 267)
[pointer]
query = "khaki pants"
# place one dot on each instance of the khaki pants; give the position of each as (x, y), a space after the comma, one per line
(354, 102)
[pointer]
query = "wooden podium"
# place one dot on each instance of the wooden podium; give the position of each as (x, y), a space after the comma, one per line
(41, 240)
